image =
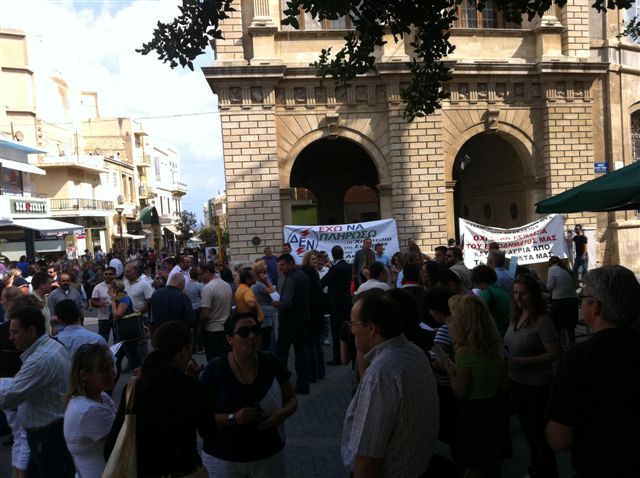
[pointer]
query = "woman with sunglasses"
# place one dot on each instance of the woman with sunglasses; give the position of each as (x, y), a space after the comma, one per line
(90, 411)
(253, 397)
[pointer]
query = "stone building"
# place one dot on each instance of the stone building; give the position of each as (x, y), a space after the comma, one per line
(532, 107)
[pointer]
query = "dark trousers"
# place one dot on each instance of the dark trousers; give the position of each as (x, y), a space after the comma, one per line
(448, 415)
(341, 311)
(197, 334)
(214, 344)
(294, 334)
(104, 328)
(265, 337)
(531, 402)
(50, 457)
(315, 357)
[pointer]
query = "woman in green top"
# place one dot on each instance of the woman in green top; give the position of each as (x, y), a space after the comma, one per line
(477, 378)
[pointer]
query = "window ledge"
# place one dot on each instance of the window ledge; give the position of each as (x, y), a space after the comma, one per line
(491, 32)
(312, 33)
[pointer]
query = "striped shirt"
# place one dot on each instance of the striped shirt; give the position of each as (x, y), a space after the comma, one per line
(442, 337)
(40, 384)
(394, 413)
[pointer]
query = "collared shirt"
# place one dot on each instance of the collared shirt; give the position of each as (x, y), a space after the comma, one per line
(40, 385)
(217, 296)
(394, 413)
(176, 270)
(101, 292)
(140, 291)
(372, 284)
(73, 336)
(59, 295)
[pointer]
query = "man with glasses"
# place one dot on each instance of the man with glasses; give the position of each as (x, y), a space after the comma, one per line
(391, 425)
(455, 263)
(102, 302)
(593, 408)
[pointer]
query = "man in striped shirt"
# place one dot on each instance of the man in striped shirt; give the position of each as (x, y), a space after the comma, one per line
(38, 389)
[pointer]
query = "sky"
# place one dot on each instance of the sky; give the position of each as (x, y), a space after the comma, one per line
(92, 43)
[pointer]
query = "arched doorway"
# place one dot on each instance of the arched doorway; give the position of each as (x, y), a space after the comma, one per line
(328, 169)
(491, 183)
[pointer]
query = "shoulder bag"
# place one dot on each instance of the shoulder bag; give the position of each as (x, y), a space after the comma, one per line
(129, 327)
(123, 462)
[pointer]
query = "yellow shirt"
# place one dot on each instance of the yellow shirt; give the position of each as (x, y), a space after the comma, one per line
(243, 295)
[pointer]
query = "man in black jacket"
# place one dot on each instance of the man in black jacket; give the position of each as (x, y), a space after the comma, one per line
(338, 283)
(293, 319)
(171, 303)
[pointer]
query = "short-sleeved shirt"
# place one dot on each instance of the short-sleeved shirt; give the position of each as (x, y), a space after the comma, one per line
(596, 391)
(394, 413)
(442, 337)
(244, 294)
(140, 291)
(193, 289)
(499, 304)
(580, 243)
(243, 443)
(529, 341)
(217, 296)
(486, 373)
(101, 292)
(74, 336)
(126, 300)
(86, 423)
(266, 303)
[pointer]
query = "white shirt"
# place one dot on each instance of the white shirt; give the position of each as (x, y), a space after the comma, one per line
(101, 292)
(140, 292)
(372, 284)
(117, 265)
(217, 296)
(176, 270)
(86, 424)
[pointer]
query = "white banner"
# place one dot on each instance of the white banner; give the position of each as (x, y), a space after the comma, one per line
(534, 242)
(349, 236)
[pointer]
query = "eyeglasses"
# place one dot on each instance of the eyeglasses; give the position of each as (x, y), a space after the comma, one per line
(585, 296)
(351, 324)
(245, 331)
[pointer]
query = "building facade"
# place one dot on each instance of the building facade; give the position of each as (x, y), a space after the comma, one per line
(527, 105)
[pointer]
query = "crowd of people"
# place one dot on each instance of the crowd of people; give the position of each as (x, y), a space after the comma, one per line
(442, 356)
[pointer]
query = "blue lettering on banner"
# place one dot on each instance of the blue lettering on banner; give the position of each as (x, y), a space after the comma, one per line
(302, 240)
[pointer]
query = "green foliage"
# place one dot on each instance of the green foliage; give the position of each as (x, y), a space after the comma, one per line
(208, 235)
(186, 226)
(426, 23)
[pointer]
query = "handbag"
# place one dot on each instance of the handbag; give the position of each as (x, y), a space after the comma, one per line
(129, 327)
(123, 462)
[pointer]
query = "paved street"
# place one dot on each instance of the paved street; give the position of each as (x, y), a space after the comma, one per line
(313, 433)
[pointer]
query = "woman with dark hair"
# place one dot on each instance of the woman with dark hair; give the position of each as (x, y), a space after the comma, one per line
(397, 263)
(564, 300)
(170, 406)
(90, 411)
(317, 309)
(532, 347)
(252, 397)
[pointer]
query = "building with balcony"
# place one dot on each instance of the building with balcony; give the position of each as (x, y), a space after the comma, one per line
(531, 108)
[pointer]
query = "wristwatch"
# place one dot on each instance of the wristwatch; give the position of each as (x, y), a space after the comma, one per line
(232, 419)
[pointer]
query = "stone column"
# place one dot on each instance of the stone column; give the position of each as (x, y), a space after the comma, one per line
(262, 31)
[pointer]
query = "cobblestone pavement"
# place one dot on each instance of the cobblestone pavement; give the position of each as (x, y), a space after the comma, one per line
(314, 432)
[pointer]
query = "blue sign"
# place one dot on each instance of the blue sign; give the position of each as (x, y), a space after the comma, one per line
(599, 167)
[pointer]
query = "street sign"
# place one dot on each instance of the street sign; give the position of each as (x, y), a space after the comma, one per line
(599, 167)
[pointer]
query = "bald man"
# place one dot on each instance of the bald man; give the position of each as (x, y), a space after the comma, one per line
(171, 303)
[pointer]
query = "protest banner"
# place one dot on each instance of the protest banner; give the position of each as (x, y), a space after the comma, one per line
(349, 236)
(532, 243)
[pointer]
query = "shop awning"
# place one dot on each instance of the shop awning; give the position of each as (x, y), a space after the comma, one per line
(46, 226)
(149, 215)
(24, 167)
(126, 235)
(172, 229)
(615, 191)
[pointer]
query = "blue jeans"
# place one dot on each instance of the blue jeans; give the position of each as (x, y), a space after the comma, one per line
(50, 457)
(581, 261)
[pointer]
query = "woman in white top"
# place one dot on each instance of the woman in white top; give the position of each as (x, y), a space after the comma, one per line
(90, 411)
(564, 301)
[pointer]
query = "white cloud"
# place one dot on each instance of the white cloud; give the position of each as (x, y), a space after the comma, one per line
(92, 43)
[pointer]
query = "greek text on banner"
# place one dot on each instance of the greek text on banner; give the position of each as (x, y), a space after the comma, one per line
(532, 243)
(349, 236)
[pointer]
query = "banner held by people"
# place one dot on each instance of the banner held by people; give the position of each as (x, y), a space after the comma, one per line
(349, 236)
(532, 243)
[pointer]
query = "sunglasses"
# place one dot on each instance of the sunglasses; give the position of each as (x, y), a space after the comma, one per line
(244, 331)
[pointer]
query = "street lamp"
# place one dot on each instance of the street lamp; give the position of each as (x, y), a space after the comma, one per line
(119, 210)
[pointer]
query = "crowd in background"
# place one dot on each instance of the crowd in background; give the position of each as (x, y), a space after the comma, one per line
(442, 356)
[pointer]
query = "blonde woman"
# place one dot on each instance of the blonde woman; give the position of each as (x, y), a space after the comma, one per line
(477, 379)
(90, 411)
(262, 289)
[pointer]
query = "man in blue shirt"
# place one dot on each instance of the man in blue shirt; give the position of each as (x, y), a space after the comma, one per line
(272, 265)
(380, 257)
(171, 303)
(74, 334)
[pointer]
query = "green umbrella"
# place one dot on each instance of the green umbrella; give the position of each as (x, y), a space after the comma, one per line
(615, 191)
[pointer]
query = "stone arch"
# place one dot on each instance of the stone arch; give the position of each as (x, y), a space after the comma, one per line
(286, 163)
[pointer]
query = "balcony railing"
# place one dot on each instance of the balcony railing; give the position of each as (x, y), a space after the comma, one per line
(179, 187)
(84, 161)
(75, 204)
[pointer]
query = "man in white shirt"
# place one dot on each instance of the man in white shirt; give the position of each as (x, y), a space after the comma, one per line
(102, 302)
(215, 309)
(140, 292)
(378, 277)
(183, 264)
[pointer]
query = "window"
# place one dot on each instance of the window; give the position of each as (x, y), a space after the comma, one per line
(490, 17)
(635, 135)
(308, 23)
(630, 14)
